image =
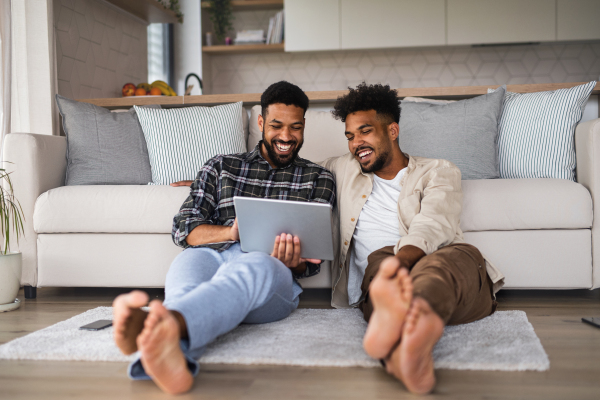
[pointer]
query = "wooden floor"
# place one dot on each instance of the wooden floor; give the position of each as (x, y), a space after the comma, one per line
(573, 347)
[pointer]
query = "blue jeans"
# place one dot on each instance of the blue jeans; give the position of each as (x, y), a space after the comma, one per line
(215, 292)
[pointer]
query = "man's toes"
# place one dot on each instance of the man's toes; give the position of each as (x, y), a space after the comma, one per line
(412, 317)
(405, 284)
(136, 299)
(157, 308)
(151, 321)
(389, 267)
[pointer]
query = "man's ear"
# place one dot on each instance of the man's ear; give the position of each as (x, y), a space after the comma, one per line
(394, 130)
(260, 122)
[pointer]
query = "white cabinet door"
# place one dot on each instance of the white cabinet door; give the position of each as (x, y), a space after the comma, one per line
(312, 25)
(501, 21)
(392, 23)
(578, 19)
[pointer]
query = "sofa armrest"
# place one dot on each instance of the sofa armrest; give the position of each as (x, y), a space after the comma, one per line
(587, 146)
(38, 164)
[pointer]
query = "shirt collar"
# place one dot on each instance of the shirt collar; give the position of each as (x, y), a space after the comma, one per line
(255, 155)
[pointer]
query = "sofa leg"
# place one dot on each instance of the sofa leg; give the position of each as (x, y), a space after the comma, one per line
(30, 292)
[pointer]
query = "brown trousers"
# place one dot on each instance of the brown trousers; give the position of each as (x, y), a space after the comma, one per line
(453, 280)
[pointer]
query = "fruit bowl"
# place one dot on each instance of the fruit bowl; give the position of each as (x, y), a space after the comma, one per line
(144, 89)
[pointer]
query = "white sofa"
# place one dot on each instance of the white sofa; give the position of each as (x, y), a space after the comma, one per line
(539, 232)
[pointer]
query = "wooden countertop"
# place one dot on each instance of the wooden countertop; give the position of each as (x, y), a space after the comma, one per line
(452, 92)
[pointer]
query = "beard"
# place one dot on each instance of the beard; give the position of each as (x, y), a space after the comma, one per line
(276, 158)
(376, 165)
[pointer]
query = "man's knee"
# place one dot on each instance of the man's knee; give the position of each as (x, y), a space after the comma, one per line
(258, 264)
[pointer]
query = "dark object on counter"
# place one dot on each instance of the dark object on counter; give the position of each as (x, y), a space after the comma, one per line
(185, 84)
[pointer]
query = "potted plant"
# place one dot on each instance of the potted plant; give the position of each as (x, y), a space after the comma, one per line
(11, 221)
(221, 16)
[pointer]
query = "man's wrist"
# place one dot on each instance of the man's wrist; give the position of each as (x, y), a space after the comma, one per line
(403, 262)
(299, 269)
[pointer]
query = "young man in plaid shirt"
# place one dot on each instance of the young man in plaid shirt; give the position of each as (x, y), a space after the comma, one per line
(212, 286)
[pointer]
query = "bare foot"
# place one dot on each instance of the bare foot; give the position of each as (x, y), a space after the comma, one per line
(128, 319)
(412, 360)
(161, 355)
(391, 294)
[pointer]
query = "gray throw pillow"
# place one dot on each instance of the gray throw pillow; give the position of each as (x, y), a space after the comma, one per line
(464, 132)
(103, 148)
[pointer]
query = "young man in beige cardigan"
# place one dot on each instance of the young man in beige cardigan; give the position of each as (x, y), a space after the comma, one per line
(402, 258)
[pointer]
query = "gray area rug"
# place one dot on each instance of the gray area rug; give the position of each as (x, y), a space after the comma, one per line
(309, 337)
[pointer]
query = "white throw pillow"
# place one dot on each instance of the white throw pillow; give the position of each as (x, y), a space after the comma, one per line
(181, 140)
(536, 132)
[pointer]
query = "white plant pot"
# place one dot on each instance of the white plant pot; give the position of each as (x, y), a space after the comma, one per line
(10, 277)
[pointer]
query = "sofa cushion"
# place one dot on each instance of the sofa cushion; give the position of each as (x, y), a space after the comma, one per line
(518, 204)
(108, 209)
(496, 204)
(536, 132)
(181, 140)
(464, 132)
(103, 148)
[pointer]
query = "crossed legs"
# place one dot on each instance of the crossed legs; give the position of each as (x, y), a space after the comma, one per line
(407, 312)
(207, 294)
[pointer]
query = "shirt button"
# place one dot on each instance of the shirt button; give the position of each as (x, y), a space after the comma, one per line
(340, 266)
(346, 243)
(352, 219)
(364, 196)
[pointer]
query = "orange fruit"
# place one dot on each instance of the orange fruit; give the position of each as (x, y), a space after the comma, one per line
(155, 91)
(140, 92)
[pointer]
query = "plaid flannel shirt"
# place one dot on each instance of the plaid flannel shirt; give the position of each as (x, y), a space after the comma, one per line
(248, 174)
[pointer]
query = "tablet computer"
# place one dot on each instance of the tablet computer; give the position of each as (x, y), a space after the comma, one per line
(261, 220)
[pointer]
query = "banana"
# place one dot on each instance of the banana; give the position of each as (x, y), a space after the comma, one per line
(164, 88)
(146, 86)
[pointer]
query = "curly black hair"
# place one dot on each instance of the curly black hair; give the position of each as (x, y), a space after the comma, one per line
(365, 97)
(285, 93)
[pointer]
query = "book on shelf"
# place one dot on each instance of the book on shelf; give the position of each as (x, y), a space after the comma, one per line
(275, 31)
(270, 30)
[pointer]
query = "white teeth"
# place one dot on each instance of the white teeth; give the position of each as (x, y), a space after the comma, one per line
(282, 147)
(364, 153)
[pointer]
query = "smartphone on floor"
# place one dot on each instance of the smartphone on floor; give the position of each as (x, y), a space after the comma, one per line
(595, 321)
(97, 325)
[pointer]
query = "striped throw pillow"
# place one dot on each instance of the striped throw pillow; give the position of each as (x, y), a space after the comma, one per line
(536, 132)
(181, 140)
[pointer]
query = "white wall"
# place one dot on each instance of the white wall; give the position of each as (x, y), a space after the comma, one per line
(99, 48)
(188, 46)
(33, 85)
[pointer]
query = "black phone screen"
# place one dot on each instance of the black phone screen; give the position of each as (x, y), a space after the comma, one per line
(97, 325)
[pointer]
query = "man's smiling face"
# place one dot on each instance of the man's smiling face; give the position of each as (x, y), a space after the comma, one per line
(283, 133)
(368, 140)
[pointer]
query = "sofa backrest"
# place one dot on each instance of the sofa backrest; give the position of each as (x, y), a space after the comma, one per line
(323, 135)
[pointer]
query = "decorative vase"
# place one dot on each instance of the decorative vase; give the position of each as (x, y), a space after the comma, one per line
(10, 281)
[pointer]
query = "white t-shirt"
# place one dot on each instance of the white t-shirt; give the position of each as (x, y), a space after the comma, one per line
(377, 227)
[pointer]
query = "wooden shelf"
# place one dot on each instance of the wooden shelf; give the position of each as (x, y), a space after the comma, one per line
(452, 92)
(244, 48)
(150, 11)
(251, 5)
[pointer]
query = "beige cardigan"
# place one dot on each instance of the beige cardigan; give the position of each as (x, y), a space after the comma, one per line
(429, 208)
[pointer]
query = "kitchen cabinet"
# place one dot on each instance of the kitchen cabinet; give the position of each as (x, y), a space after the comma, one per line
(506, 21)
(312, 25)
(578, 20)
(392, 23)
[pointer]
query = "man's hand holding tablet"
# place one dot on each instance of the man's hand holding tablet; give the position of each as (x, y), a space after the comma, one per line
(290, 223)
(287, 250)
